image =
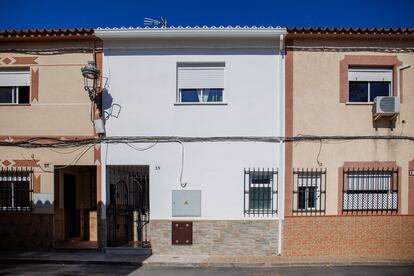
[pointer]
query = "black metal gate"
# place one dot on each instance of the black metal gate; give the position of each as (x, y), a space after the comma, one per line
(128, 209)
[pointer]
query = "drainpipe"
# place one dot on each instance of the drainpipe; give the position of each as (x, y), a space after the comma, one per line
(399, 69)
(281, 173)
(103, 230)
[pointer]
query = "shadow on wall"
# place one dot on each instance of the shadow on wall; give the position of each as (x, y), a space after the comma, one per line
(384, 122)
(110, 109)
(44, 205)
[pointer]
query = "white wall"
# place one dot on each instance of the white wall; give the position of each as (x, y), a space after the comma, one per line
(143, 83)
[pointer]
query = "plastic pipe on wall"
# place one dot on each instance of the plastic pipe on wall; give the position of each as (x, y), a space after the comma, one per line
(281, 174)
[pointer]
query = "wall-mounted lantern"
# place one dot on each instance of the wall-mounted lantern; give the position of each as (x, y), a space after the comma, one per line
(91, 84)
(91, 79)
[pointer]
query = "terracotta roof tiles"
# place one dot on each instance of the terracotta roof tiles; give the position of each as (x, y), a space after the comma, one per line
(350, 31)
(46, 33)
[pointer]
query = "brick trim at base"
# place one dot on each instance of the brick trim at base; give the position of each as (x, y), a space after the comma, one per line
(349, 236)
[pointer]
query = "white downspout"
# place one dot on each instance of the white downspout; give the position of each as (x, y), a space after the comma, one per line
(399, 69)
(281, 173)
(104, 153)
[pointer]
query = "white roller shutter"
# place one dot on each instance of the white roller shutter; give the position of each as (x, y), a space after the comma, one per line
(200, 76)
(370, 75)
(14, 78)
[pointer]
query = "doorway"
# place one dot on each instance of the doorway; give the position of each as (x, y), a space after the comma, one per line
(72, 213)
(128, 209)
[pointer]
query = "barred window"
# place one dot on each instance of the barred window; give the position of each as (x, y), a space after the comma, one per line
(16, 190)
(260, 192)
(370, 190)
(309, 195)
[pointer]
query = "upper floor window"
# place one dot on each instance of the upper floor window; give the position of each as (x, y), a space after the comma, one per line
(200, 82)
(15, 86)
(365, 84)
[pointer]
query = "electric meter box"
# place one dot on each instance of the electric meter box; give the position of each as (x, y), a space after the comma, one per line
(186, 203)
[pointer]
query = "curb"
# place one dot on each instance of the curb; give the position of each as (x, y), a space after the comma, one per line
(270, 265)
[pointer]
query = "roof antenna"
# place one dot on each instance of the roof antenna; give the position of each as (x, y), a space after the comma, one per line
(162, 23)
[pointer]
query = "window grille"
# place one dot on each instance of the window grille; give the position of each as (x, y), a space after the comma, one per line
(370, 190)
(309, 191)
(16, 189)
(260, 192)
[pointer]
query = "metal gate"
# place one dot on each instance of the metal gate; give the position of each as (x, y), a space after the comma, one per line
(128, 209)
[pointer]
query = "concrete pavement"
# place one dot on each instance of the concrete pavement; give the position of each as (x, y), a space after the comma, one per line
(269, 261)
(157, 260)
(93, 269)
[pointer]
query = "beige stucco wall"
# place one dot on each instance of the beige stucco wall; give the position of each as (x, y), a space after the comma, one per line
(317, 111)
(47, 161)
(62, 110)
(63, 107)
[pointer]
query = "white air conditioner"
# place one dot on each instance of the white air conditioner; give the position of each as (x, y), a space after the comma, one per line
(386, 106)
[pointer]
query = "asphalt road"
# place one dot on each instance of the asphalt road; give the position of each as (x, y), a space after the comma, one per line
(88, 269)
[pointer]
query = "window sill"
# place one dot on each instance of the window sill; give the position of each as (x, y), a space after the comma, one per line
(218, 103)
(355, 103)
(7, 104)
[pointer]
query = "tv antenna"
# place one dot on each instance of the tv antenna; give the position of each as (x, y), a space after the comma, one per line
(157, 23)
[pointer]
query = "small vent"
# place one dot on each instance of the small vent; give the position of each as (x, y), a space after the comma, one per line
(387, 104)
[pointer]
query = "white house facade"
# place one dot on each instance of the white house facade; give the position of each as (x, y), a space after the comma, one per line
(198, 110)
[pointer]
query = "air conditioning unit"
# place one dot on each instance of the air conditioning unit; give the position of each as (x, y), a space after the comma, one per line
(386, 107)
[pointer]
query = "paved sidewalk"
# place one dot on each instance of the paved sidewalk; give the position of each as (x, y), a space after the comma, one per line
(51, 257)
(41, 257)
(269, 261)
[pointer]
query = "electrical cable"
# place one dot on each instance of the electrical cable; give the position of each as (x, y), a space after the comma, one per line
(352, 48)
(71, 163)
(141, 149)
(52, 142)
(319, 153)
(52, 51)
(183, 184)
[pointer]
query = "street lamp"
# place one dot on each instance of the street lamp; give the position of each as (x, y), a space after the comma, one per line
(91, 76)
(90, 79)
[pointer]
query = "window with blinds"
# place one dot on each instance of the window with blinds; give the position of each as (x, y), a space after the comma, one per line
(200, 82)
(365, 84)
(15, 86)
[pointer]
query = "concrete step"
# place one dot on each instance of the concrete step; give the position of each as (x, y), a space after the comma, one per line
(128, 251)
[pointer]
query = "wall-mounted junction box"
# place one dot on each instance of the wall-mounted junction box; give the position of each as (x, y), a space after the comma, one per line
(186, 203)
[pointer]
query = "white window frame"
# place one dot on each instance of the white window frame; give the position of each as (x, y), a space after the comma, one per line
(262, 185)
(200, 88)
(370, 75)
(15, 78)
(305, 180)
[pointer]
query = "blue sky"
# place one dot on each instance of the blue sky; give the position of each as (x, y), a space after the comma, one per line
(31, 14)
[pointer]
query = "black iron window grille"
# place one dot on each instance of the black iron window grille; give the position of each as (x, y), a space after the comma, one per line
(16, 189)
(370, 190)
(309, 191)
(260, 192)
